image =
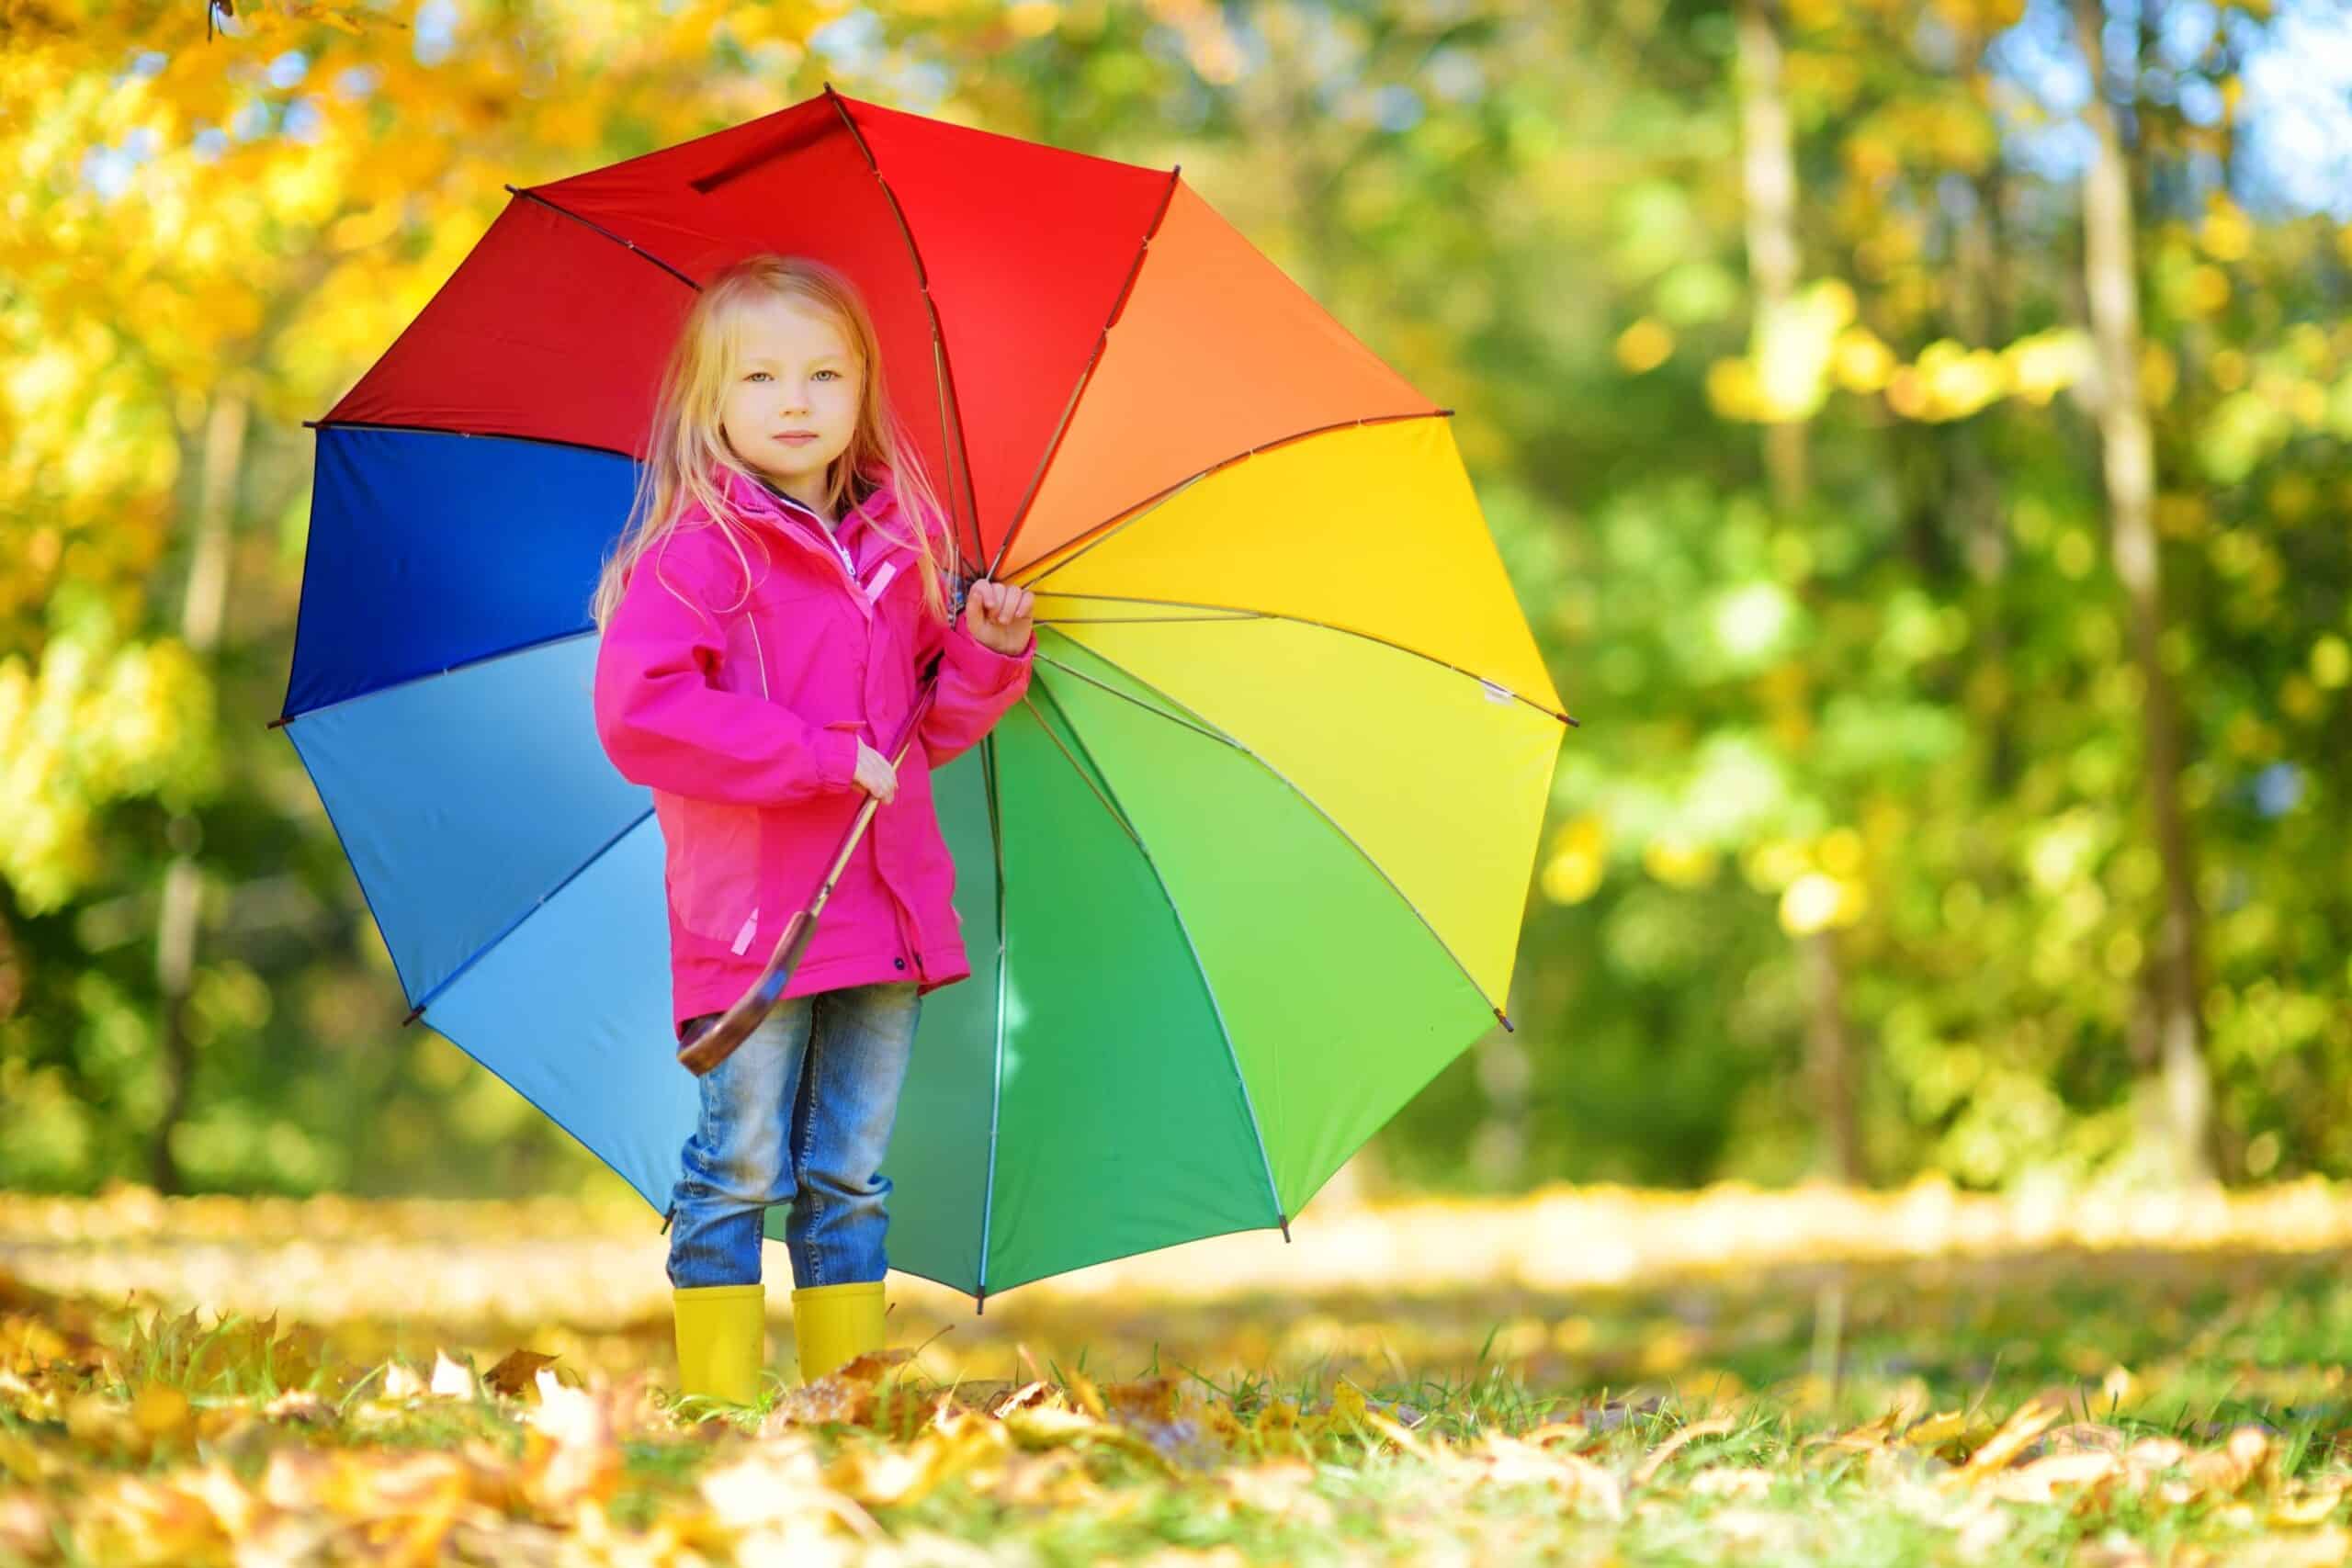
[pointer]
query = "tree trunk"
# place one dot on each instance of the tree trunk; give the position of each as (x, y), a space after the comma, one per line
(201, 613)
(2127, 461)
(1829, 1063)
(1769, 176)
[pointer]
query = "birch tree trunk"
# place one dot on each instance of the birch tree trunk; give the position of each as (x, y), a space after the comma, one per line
(178, 926)
(1768, 177)
(2127, 453)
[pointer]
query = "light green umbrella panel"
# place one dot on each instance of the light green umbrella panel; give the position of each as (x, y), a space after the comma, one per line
(1193, 994)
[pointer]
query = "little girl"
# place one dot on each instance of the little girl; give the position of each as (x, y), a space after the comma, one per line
(784, 582)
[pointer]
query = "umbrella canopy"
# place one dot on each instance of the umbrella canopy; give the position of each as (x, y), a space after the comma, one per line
(1242, 874)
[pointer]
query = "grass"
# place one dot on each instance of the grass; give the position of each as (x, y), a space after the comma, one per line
(2059, 1405)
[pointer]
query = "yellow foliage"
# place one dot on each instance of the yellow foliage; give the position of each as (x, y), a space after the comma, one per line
(1680, 865)
(93, 724)
(1816, 901)
(2331, 663)
(1859, 361)
(1644, 345)
(2046, 363)
(2227, 234)
(1572, 870)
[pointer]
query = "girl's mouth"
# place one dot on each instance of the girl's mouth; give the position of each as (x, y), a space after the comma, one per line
(796, 440)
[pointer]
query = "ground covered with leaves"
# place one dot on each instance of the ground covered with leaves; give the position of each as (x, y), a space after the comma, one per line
(2037, 1402)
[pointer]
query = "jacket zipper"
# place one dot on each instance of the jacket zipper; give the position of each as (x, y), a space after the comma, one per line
(866, 595)
(849, 568)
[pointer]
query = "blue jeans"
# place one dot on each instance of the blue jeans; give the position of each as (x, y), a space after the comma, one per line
(800, 1114)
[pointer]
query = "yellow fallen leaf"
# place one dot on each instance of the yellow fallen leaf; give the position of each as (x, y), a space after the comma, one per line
(2155, 1453)
(570, 1454)
(1146, 1399)
(19, 1458)
(160, 1411)
(1086, 1396)
(779, 1483)
(1937, 1430)
(2329, 1548)
(1281, 1488)
(2029, 1422)
(1674, 1445)
(886, 1474)
(1029, 1393)
(1557, 1432)
(2042, 1480)
(2309, 1507)
(2224, 1471)
(1047, 1426)
(1395, 1434)
(1276, 1416)
(1732, 1480)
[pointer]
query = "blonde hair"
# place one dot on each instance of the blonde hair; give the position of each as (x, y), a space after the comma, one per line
(685, 446)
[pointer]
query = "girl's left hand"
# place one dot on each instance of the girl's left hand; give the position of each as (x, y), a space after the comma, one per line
(997, 615)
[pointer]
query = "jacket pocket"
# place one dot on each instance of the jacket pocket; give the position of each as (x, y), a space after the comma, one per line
(715, 874)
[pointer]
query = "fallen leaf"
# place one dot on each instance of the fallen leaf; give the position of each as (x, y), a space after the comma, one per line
(451, 1381)
(2310, 1507)
(302, 1406)
(1938, 1430)
(2224, 1471)
(1732, 1480)
(2042, 1480)
(780, 1485)
(571, 1455)
(1674, 1445)
(2029, 1422)
(515, 1372)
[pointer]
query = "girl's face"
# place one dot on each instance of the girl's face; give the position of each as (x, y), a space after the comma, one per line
(792, 403)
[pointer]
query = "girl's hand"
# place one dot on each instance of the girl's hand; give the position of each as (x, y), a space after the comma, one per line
(997, 613)
(875, 774)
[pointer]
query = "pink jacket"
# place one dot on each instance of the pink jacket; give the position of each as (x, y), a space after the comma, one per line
(743, 714)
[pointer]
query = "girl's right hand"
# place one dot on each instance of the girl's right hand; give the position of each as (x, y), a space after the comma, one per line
(875, 774)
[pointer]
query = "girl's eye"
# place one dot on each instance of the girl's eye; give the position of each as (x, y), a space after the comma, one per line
(835, 374)
(755, 375)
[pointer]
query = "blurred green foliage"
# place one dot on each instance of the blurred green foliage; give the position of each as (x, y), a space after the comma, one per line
(1898, 716)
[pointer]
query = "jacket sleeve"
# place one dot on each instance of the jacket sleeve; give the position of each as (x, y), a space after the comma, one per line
(977, 685)
(664, 724)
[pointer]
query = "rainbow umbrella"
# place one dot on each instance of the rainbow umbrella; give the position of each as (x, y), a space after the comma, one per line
(1239, 875)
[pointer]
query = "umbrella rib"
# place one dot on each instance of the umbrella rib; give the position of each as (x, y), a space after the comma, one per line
(1086, 376)
(1143, 620)
(951, 406)
(514, 925)
(326, 424)
(1249, 1105)
(549, 641)
(1234, 612)
(996, 1066)
(1086, 539)
(1378, 869)
(599, 227)
(1108, 805)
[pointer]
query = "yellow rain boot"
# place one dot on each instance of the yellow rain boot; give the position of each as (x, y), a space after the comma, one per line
(834, 1325)
(722, 1340)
